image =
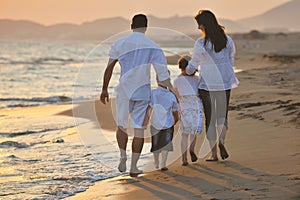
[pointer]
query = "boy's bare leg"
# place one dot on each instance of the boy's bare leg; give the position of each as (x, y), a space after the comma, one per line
(164, 157)
(156, 160)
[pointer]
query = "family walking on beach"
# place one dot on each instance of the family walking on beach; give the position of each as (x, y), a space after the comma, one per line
(214, 52)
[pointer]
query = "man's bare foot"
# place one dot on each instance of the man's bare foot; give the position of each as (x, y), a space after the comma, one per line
(122, 164)
(135, 172)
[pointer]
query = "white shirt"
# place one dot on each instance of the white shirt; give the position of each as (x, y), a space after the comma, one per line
(164, 103)
(186, 85)
(135, 54)
(216, 69)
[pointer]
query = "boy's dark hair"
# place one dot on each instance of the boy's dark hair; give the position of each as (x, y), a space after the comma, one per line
(183, 61)
(139, 21)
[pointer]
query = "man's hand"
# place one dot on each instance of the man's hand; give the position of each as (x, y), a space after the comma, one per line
(104, 97)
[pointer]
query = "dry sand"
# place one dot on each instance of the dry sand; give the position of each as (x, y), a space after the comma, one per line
(263, 139)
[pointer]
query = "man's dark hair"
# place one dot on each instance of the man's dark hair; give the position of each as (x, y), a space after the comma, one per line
(139, 21)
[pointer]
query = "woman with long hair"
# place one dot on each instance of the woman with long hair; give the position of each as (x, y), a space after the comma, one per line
(214, 52)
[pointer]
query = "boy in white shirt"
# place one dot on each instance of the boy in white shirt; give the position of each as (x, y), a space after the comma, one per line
(164, 117)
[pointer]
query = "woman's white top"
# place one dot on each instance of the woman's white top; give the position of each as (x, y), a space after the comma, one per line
(216, 69)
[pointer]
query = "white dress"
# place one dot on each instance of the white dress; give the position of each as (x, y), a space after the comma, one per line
(189, 103)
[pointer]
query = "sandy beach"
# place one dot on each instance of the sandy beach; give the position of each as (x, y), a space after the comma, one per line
(263, 139)
(263, 142)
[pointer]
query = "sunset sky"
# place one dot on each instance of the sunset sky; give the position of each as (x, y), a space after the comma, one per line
(77, 11)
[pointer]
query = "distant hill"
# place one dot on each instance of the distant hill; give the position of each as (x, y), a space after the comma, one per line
(99, 29)
(188, 24)
(282, 18)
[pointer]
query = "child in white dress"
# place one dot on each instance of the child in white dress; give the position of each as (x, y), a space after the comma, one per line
(190, 106)
(164, 117)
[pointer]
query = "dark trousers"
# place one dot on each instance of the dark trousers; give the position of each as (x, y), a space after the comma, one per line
(215, 105)
(161, 139)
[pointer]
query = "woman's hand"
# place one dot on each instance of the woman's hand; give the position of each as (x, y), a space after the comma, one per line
(183, 73)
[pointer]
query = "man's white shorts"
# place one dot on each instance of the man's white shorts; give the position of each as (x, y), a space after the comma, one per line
(131, 111)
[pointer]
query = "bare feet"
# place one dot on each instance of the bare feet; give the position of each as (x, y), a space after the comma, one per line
(122, 164)
(164, 169)
(223, 151)
(156, 165)
(193, 156)
(212, 159)
(135, 172)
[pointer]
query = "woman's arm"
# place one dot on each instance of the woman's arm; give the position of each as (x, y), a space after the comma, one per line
(175, 116)
(196, 58)
(232, 51)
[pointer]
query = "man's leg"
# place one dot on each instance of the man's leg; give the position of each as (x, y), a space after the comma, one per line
(137, 146)
(122, 139)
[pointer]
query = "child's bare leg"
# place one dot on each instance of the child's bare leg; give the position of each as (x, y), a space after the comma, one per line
(156, 160)
(192, 147)
(192, 142)
(184, 144)
(164, 157)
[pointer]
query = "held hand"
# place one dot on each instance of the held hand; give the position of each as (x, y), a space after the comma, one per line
(104, 97)
(183, 73)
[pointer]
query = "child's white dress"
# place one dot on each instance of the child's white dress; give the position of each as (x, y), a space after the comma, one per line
(189, 103)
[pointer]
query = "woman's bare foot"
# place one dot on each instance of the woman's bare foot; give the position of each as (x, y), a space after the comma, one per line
(223, 151)
(212, 159)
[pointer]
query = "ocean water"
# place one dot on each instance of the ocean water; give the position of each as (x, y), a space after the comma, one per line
(35, 162)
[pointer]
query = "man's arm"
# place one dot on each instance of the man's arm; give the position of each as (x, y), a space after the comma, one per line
(104, 97)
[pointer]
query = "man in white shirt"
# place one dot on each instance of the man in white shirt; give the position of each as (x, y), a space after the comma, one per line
(135, 53)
